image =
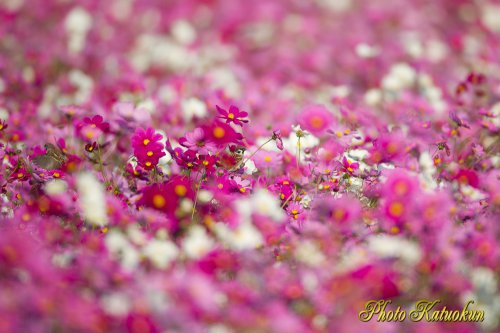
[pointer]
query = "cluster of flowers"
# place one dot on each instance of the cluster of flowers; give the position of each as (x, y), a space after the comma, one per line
(138, 196)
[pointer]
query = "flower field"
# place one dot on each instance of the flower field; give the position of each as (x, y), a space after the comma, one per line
(253, 166)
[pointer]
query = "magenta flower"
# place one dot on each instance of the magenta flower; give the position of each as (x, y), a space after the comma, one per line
(222, 134)
(147, 147)
(90, 129)
(234, 115)
(348, 166)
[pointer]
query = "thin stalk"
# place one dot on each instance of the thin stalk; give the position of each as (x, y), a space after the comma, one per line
(255, 152)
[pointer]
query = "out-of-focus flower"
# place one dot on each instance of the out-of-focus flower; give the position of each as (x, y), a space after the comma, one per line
(92, 199)
(234, 115)
(316, 119)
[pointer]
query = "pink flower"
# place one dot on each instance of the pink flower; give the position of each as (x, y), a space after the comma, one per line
(277, 137)
(234, 115)
(316, 119)
(147, 147)
(348, 166)
(92, 128)
(198, 142)
(267, 159)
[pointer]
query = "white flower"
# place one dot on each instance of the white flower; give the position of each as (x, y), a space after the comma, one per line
(400, 77)
(193, 107)
(55, 187)
(395, 247)
(121, 249)
(92, 199)
(261, 202)
(183, 32)
(491, 17)
(309, 253)
(77, 24)
(307, 140)
(160, 252)
(428, 170)
(246, 236)
(115, 304)
(197, 242)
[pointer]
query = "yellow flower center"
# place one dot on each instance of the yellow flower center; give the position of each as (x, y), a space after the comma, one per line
(394, 230)
(267, 159)
(339, 214)
(180, 190)
(57, 174)
(159, 201)
(316, 122)
(146, 141)
(219, 132)
(400, 188)
(230, 116)
(149, 153)
(396, 209)
(148, 164)
(392, 148)
(20, 175)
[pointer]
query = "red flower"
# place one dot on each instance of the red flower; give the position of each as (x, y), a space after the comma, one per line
(234, 115)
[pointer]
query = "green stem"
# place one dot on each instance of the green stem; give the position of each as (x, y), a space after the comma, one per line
(196, 198)
(255, 152)
(101, 164)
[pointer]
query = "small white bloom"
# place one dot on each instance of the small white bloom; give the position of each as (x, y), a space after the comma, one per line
(395, 246)
(160, 252)
(92, 199)
(116, 304)
(55, 187)
(366, 51)
(491, 17)
(121, 249)
(183, 32)
(193, 107)
(197, 242)
(77, 24)
(245, 237)
(308, 253)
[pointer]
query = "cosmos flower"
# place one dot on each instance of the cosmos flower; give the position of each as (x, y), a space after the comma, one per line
(147, 147)
(316, 119)
(198, 142)
(234, 115)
